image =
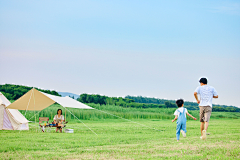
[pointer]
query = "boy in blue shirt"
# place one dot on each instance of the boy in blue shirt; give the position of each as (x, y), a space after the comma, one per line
(180, 116)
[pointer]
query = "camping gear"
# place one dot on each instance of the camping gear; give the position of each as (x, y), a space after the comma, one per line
(11, 119)
(46, 126)
(35, 100)
(41, 119)
(69, 130)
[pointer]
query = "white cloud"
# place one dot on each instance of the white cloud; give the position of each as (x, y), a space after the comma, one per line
(228, 8)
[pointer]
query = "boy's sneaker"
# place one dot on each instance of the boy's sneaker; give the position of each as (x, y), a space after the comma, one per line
(204, 134)
(183, 133)
(201, 137)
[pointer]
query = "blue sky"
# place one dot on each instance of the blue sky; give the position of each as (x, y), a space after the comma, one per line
(117, 48)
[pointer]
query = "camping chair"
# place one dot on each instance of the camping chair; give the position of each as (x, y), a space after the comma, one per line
(45, 126)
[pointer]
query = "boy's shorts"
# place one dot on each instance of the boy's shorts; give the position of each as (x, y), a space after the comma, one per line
(205, 113)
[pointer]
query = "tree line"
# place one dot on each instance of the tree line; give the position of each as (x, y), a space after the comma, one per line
(146, 102)
(188, 105)
(119, 101)
(13, 92)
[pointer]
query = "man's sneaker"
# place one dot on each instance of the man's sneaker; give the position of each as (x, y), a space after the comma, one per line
(204, 134)
(183, 133)
(201, 137)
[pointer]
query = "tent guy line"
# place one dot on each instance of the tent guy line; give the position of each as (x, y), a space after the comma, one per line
(82, 122)
(106, 113)
(74, 116)
(34, 115)
(128, 120)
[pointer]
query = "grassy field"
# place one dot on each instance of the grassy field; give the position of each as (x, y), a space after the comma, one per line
(119, 139)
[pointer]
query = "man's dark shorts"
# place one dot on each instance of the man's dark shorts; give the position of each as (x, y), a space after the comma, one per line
(205, 113)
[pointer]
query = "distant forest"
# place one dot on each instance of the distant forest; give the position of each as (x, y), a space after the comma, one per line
(188, 105)
(124, 102)
(145, 102)
(13, 92)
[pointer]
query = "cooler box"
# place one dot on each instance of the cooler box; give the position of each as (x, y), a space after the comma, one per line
(68, 130)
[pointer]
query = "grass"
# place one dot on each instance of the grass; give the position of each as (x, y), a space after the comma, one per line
(120, 139)
(129, 113)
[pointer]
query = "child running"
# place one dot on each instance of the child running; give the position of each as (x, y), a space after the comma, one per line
(180, 116)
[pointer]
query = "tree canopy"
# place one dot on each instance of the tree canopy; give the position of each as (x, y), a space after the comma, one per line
(188, 105)
(13, 92)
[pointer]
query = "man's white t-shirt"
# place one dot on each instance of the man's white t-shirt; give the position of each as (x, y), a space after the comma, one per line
(176, 113)
(206, 95)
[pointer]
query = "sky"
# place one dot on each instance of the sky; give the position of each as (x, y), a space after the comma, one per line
(117, 48)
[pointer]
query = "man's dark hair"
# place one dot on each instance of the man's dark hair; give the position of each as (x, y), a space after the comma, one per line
(203, 80)
(180, 102)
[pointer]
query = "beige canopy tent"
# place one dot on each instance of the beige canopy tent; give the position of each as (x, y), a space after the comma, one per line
(11, 119)
(36, 100)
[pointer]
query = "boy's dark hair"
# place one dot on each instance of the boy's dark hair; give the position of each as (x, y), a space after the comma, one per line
(60, 110)
(203, 80)
(180, 102)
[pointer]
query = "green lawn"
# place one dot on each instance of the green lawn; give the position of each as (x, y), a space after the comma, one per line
(120, 139)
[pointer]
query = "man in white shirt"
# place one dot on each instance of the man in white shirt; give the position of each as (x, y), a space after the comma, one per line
(207, 93)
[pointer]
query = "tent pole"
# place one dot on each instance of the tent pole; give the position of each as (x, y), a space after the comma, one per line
(28, 103)
(34, 108)
(34, 111)
(65, 116)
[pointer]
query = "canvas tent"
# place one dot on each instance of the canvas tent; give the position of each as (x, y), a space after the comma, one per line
(11, 119)
(36, 100)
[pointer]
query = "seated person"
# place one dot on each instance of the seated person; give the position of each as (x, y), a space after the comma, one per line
(58, 119)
